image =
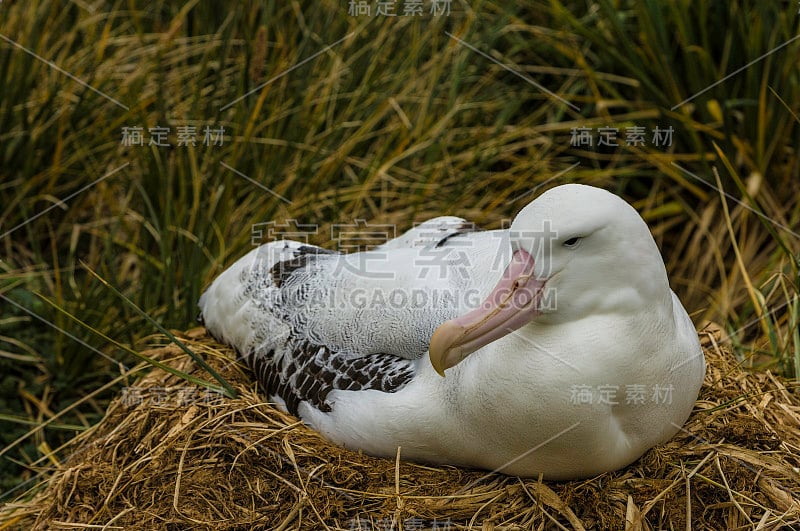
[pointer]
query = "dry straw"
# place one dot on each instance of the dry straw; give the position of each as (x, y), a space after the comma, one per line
(171, 456)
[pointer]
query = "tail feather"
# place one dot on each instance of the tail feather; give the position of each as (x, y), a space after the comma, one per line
(228, 311)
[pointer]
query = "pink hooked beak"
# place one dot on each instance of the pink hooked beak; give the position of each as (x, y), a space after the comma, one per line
(511, 304)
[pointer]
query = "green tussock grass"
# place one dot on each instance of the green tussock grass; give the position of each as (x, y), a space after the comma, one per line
(394, 123)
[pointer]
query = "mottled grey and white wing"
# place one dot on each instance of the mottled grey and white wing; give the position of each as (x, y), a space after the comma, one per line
(309, 320)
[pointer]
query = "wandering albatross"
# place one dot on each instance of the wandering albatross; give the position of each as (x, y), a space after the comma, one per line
(555, 347)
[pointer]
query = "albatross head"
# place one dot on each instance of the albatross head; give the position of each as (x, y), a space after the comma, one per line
(576, 251)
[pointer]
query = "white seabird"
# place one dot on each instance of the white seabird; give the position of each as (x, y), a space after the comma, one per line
(564, 350)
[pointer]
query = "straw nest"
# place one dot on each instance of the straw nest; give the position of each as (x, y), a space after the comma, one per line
(172, 457)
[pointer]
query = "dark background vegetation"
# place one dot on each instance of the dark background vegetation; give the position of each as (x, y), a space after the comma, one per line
(396, 123)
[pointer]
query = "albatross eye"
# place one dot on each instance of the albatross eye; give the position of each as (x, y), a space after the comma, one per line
(572, 242)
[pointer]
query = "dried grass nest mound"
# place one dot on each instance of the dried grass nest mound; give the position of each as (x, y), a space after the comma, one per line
(163, 461)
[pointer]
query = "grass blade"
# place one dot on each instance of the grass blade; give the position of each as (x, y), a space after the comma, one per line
(230, 392)
(147, 359)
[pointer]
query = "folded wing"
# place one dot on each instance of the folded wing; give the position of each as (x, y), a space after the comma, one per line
(309, 320)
